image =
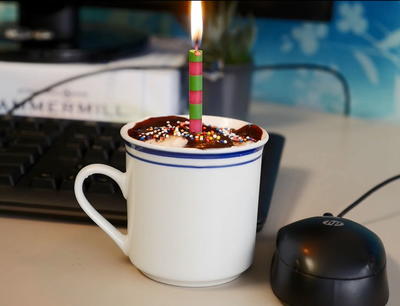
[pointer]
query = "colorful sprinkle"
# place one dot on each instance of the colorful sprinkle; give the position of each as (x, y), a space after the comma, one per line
(209, 134)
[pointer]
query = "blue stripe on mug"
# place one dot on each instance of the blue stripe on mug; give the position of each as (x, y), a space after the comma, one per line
(190, 155)
(192, 167)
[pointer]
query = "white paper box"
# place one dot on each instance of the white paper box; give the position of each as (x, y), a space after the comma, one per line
(113, 96)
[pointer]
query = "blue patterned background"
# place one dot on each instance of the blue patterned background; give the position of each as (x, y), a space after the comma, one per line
(362, 42)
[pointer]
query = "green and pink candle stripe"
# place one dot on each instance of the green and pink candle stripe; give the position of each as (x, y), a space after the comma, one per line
(195, 90)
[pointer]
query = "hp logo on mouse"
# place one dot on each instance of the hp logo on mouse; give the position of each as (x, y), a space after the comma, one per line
(332, 223)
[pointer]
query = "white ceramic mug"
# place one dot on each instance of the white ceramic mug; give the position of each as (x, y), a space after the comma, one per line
(192, 213)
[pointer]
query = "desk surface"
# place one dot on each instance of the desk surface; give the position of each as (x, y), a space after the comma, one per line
(328, 162)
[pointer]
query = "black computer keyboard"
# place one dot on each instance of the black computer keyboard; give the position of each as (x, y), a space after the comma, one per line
(39, 159)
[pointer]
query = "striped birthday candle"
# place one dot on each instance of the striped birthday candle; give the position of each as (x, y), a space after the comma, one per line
(195, 90)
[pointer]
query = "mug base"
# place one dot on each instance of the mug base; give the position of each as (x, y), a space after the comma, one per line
(191, 283)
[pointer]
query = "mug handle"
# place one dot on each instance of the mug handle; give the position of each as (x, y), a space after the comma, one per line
(118, 176)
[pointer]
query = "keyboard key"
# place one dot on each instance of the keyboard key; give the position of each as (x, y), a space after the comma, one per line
(79, 166)
(28, 151)
(68, 182)
(118, 159)
(101, 184)
(55, 166)
(65, 152)
(83, 140)
(22, 161)
(33, 144)
(85, 128)
(107, 142)
(29, 124)
(6, 122)
(5, 131)
(9, 175)
(71, 151)
(36, 136)
(5, 140)
(53, 126)
(112, 130)
(46, 180)
(36, 149)
(96, 154)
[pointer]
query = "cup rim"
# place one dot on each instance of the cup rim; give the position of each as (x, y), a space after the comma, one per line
(207, 119)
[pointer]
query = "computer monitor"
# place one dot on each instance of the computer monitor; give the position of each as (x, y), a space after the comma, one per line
(51, 31)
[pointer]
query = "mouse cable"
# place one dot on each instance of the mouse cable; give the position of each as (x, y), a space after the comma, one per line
(367, 194)
(335, 73)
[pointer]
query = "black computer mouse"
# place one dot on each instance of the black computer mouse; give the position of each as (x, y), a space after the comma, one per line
(329, 261)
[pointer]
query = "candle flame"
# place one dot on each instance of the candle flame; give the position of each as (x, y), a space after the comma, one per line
(196, 20)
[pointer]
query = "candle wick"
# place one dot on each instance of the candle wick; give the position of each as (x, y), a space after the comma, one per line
(196, 44)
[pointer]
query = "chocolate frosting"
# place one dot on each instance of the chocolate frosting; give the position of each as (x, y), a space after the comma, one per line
(159, 128)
